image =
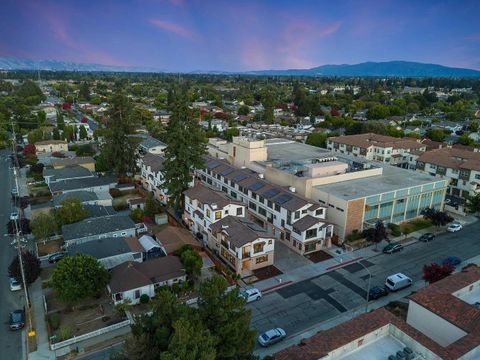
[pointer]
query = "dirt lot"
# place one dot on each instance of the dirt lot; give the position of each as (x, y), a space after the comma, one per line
(49, 247)
(318, 256)
(174, 237)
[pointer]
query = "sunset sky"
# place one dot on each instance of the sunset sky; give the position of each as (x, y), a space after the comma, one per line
(188, 35)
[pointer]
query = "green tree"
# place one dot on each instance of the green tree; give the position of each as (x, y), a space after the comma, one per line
(231, 132)
(192, 261)
(55, 134)
(42, 118)
(186, 146)
(84, 91)
(78, 277)
(317, 139)
(224, 314)
(473, 203)
(71, 210)
(43, 226)
(436, 134)
(437, 217)
(120, 149)
(466, 140)
(36, 136)
(376, 234)
(60, 120)
(243, 110)
(151, 206)
(31, 267)
(82, 133)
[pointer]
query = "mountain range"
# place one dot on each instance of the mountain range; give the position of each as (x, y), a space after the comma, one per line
(378, 69)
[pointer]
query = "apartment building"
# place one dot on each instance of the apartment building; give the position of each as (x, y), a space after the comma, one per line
(461, 167)
(204, 206)
(442, 324)
(356, 191)
(299, 222)
(244, 245)
(151, 166)
(371, 146)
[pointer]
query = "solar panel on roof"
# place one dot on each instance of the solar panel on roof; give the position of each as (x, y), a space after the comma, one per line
(240, 177)
(256, 186)
(270, 193)
(226, 171)
(213, 165)
(283, 199)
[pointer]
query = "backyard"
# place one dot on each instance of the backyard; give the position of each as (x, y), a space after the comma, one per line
(49, 247)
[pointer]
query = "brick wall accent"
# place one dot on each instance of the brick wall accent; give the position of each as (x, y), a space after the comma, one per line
(354, 216)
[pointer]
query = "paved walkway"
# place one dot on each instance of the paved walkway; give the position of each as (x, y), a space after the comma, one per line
(43, 350)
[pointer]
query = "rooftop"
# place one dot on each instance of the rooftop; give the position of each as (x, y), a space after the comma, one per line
(371, 139)
(102, 248)
(97, 226)
(72, 161)
(79, 184)
(240, 231)
(154, 161)
(209, 196)
(68, 172)
(454, 158)
(81, 195)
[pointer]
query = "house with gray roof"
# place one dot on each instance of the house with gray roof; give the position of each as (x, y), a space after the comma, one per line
(98, 228)
(100, 183)
(66, 173)
(110, 251)
(149, 144)
(85, 197)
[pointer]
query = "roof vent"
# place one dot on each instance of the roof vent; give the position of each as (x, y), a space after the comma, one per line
(292, 189)
(213, 206)
(224, 227)
(261, 176)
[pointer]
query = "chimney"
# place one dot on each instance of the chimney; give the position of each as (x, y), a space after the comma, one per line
(292, 189)
(214, 206)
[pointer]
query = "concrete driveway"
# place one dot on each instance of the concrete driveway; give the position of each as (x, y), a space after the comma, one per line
(286, 259)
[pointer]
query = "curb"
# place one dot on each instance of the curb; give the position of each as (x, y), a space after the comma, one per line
(274, 287)
(344, 263)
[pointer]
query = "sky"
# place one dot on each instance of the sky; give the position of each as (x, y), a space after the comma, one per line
(191, 35)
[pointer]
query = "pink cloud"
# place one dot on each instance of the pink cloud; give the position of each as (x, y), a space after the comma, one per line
(174, 28)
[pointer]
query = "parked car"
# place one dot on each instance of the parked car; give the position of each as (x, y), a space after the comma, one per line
(454, 260)
(56, 257)
(454, 227)
(14, 216)
(15, 285)
(14, 192)
(271, 336)
(426, 237)
(392, 248)
(397, 282)
(17, 319)
(251, 294)
(377, 292)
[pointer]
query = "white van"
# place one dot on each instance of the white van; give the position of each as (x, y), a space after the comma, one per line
(397, 282)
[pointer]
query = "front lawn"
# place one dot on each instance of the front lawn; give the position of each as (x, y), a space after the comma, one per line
(415, 225)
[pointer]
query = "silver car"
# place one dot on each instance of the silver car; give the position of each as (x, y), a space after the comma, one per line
(271, 336)
(15, 285)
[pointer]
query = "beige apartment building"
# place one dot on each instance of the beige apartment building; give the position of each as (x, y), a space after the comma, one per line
(49, 146)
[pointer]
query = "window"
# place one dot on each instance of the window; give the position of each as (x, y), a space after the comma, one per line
(258, 247)
(319, 212)
(262, 211)
(218, 215)
(270, 204)
(304, 212)
(287, 235)
(254, 196)
(297, 215)
(310, 247)
(261, 199)
(261, 259)
(239, 211)
(277, 207)
(311, 233)
(228, 256)
(270, 242)
(136, 295)
(208, 213)
(123, 233)
(252, 205)
(233, 194)
(224, 189)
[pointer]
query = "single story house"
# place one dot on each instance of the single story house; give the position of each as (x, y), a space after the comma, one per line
(86, 197)
(87, 162)
(110, 252)
(51, 146)
(66, 173)
(101, 183)
(130, 280)
(98, 228)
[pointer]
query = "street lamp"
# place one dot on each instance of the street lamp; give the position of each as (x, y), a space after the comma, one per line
(368, 285)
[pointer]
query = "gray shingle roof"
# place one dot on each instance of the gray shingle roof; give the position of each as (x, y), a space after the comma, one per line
(101, 248)
(154, 161)
(240, 230)
(97, 226)
(81, 195)
(79, 184)
(209, 196)
(68, 172)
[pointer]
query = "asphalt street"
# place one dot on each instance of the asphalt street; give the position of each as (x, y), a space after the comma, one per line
(321, 298)
(10, 341)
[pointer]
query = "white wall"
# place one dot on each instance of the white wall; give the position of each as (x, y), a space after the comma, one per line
(432, 325)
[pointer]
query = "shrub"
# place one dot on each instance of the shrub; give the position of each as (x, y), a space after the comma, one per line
(395, 229)
(115, 192)
(137, 215)
(181, 250)
(120, 206)
(31, 159)
(65, 332)
(354, 235)
(144, 299)
(58, 154)
(54, 320)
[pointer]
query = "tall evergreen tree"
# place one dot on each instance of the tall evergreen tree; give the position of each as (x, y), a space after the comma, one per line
(120, 149)
(186, 147)
(60, 120)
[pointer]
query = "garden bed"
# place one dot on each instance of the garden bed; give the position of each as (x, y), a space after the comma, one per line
(266, 272)
(50, 247)
(318, 256)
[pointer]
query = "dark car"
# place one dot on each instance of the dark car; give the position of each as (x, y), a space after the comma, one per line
(56, 257)
(427, 237)
(454, 260)
(17, 319)
(392, 248)
(377, 292)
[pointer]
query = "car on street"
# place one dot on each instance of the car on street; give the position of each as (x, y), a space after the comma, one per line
(52, 259)
(454, 260)
(251, 294)
(14, 216)
(14, 284)
(454, 227)
(271, 336)
(392, 248)
(397, 282)
(377, 292)
(14, 192)
(17, 319)
(427, 237)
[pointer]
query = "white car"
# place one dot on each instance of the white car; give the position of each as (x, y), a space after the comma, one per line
(15, 285)
(271, 336)
(251, 294)
(454, 227)
(14, 216)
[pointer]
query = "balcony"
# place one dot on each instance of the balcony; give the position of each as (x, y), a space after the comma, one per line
(246, 255)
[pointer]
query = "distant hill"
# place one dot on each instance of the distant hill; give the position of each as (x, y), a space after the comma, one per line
(386, 69)
(8, 63)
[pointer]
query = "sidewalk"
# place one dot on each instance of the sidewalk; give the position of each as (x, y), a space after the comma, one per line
(43, 349)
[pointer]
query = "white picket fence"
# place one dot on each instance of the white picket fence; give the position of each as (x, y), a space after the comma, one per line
(90, 335)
